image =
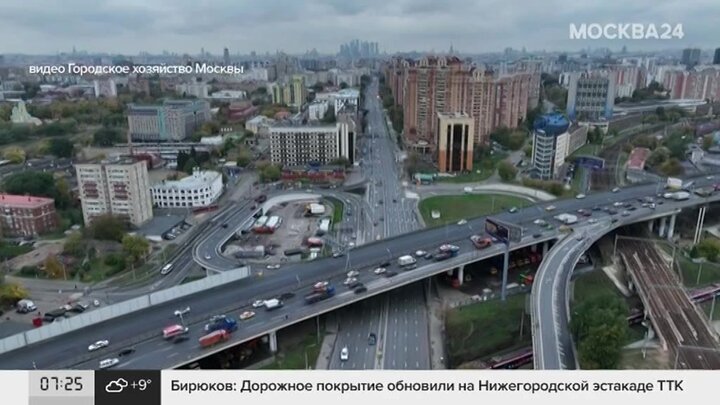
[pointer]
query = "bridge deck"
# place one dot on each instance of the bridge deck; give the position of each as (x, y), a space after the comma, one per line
(680, 323)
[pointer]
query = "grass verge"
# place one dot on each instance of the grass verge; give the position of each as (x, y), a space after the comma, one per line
(482, 329)
(455, 207)
(338, 208)
(292, 357)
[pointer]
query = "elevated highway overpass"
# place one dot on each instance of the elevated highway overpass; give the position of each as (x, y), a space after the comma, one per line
(552, 341)
(142, 329)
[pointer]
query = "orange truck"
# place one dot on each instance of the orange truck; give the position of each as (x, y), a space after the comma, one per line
(214, 338)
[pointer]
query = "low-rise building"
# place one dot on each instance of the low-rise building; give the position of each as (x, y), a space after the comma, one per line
(317, 110)
(256, 123)
(200, 189)
(635, 167)
(26, 215)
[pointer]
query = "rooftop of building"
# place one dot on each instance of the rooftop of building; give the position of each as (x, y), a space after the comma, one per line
(554, 123)
(170, 103)
(24, 201)
(290, 125)
(199, 179)
(453, 115)
(121, 160)
(637, 158)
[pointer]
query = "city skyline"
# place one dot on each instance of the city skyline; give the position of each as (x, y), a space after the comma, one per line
(131, 27)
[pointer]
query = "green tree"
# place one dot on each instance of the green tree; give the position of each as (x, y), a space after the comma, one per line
(63, 194)
(658, 157)
(709, 249)
(244, 157)
(135, 247)
(107, 137)
(53, 268)
(107, 227)
(601, 348)
(507, 171)
(11, 293)
(190, 164)
(270, 173)
(75, 245)
(707, 142)
(672, 167)
(677, 143)
(15, 155)
(329, 117)
(61, 147)
(646, 141)
(600, 328)
(31, 183)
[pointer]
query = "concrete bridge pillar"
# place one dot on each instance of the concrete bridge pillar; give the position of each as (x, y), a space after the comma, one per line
(651, 225)
(671, 227)
(545, 247)
(461, 274)
(663, 225)
(272, 340)
(533, 248)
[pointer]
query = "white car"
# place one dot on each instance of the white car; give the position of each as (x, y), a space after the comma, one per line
(353, 273)
(616, 189)
(349, 280)
(462, 222)
(107, 363)
(513, 210)
(539, 222)
(550, 208)
(208, 257)
(272, 266)
(618, 204)
(379, 270)
(580, 196)
(592, 220)
(344, 354)
(420, 253)
(258, 303)
(246, 315)
(98, 345)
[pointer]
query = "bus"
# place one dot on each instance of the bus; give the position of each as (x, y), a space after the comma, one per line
(166, 269)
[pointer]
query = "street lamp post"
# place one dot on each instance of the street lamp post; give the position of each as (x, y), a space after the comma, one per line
(700, 271)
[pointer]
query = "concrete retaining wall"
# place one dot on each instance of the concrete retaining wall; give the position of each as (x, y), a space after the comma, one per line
(117, 310)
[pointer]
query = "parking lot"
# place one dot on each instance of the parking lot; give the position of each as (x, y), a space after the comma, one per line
(292, 233)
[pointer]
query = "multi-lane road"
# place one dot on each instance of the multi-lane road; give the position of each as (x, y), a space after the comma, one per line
(552, 341)
(145, 325)
(399, 319)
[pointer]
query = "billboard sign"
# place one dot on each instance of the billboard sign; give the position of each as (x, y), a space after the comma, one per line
(504, 231)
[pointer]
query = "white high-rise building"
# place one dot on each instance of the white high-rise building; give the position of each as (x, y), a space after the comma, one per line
(119, 188)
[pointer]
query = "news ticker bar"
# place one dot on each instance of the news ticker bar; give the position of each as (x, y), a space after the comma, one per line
(172, 387)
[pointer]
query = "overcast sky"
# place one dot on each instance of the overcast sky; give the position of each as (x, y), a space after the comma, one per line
(131, 26)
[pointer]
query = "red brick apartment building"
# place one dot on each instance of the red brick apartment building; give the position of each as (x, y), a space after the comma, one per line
(448, 85)
(27, 215)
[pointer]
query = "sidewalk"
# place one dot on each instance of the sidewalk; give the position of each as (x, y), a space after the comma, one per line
(328, 343)
(436, 324)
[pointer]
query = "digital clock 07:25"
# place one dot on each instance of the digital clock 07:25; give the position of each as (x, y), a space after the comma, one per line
(61, 383)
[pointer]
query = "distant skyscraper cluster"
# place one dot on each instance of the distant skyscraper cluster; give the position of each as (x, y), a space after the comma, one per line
(359, 49)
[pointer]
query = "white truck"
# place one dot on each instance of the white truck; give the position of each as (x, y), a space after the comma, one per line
(272, 304)
(567, 219)
(405, 261)
(673, 183)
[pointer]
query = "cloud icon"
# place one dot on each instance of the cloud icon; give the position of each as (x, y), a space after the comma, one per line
(116, 386)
